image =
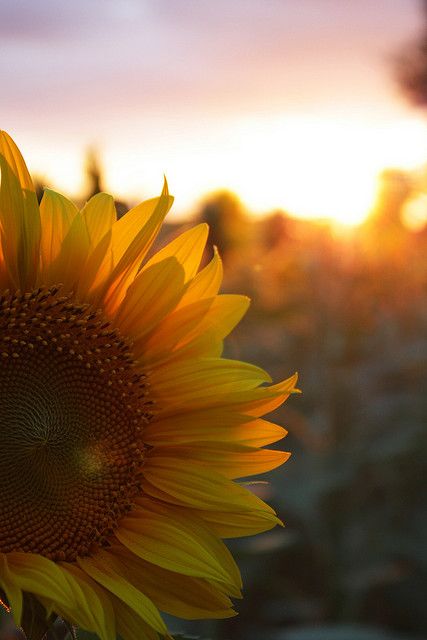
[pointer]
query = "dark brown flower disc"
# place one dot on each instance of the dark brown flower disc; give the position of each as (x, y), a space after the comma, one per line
(72, 407)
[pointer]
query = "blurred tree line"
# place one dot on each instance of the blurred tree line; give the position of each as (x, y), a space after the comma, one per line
(349, 312)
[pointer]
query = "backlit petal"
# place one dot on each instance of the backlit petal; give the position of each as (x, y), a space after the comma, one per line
(12, 590)
(151, 296)
(56, 214)
(177, 594)
(96, 611)
(19, 216)
(42, 577)
(102, 568)
(130, 625)
(230, 460)
(99, 214)
(205, 284)
(215, 425)
(198, 487)
(163, 537)
(187, 249)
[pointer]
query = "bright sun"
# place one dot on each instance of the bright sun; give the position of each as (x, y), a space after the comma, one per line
(324, 168)
(312, 167)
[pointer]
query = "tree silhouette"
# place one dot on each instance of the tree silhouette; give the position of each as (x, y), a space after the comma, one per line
(411, 68)
(94, 172)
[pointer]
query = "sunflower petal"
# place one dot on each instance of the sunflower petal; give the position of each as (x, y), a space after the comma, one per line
(187, 249)
(126, 267)
(198, 487)
(252, 400)
(206, 339)
(210, 319)
(42, 577)
(229, 459)
(56, 214)
(237, 524)
(151, 296)
(205, 284)
(177, 594)
(215, 425)
(4, 276)
(267, 399)
(67, 268)
(164, 538)
(103, 568)
(95, 605)
(99, 215)
(116, 259)
(206, 381)
(130, 625)
(98, 265)
(11, 589)
(19, 216)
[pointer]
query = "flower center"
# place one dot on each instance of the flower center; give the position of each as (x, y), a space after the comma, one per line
(72, 407)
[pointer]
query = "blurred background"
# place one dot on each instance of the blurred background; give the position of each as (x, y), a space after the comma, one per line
(298, 130)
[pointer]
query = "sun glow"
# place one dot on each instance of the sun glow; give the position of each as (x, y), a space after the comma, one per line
(323, 168)
(311, 166)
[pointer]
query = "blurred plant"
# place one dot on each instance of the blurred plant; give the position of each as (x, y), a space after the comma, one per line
(94, 173)
(228, 227)
(353, 312)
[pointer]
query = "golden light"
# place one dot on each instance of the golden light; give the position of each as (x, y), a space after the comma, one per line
(323, 166)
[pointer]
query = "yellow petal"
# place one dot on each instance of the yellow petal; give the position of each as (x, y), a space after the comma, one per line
(68, 266)
(265, 400)
(216, 425)
(223, 315)
(151, 296)
(205, 284)
(98, 266)
(103, 568)
(126, 267)
(237, 524)
(57, 214)
(252, 401)
(130, 626)
(187, 249)
(5, 281)
(11, 589)
(19, 216)
(135, 220)
(99, 214)
(115, 261)
(95, 612)
(177, 594)
(229, 459)
(42, 577)
(198, 487)
(163, 537)
(203, 382)
(190, 328)
(160, 344)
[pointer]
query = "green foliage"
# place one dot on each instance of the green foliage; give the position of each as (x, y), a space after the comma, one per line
(338, 632)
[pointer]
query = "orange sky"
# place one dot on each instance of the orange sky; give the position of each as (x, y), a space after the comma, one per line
(289, 102)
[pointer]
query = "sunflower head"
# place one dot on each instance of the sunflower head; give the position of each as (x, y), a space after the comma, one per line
(123, 431)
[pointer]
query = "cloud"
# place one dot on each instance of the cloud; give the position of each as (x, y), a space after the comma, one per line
(40, 19)
(98, 56)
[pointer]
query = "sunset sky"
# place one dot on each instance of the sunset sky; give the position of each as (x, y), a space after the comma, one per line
(290, 103)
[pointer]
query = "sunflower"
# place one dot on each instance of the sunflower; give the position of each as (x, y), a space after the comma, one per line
(122, 429)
